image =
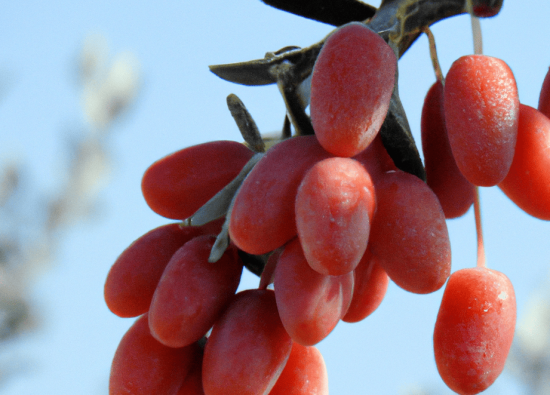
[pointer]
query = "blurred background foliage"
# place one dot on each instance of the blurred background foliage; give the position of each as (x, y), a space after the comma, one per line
(32, 221)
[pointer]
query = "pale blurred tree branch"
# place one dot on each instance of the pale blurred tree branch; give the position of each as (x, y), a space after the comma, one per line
(529, 359)
(27, 243)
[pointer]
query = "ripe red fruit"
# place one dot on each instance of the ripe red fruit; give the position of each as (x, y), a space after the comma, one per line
(192, 385)
(474, 329)
(370, 283)
(527, 183)
(335, 204)
(179, 184)
(262, 218)
(409, 236)
(192, 292)
(305, 373)
(455, 193)
(544, 98)
(481, 114)
(248, 347)
(135, 274)
(143, 366)
(351, 87)
(376, 159)
(310, 304)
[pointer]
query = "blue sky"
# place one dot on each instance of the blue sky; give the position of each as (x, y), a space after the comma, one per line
(181, 104)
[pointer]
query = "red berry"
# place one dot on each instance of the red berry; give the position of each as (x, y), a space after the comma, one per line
(335, 204)
(481, 114)
(192, 385)
(143, 366)
(544, 98)
(305, 373)
(376, 159)
(474, 329)
(248, 347)
(528, 181)
(455, 193)
(135, 274)
(409, 236)
(370, 283)
(179, 184)
(263, 214)
(310, 304)
(351, 87)
(486, 8)
(192, 292)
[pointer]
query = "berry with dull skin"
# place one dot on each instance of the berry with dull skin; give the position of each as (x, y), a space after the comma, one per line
(455, 193)
(143, 366)
(192, 292)
(527, 183)
(544, 98)
(370, 283)
(310, 304)
(335, 204)
(409, 236)
(262, 218)
(481, 113)
(351, 87)
(305, 373)
(248, 347)
(179, 184)
(474, 329)
(134, 276)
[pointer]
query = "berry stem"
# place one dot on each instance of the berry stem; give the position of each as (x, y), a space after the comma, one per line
(433, 55)
(476, 29)
(481, 262)
(476, 32)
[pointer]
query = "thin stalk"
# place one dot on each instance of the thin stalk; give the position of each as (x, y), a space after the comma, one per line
(476, 29)
(433, 55)
(481, 261)
(476, 32)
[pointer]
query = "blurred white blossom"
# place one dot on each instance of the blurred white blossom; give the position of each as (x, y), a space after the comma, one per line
(30, 223)
(108, 89)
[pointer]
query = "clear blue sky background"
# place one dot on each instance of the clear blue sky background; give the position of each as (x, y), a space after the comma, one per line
(181, 103)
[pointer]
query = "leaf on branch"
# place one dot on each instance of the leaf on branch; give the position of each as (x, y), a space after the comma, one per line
(398, 140)
(332, 12)
(266, 71)
(245, 123)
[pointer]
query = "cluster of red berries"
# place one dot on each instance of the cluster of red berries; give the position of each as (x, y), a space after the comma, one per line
(334, 220)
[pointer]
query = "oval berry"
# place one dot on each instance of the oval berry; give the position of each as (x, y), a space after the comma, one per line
(134, 276)
(409, 234)
(179, 184)
(351, 87)
(305, 373)
(192, 385)
(527, 183)
(544, 98)
(455, 193)
(335, 204)
(192, 292)
(143, 366)
(481, 113)
(486, 8)
(310, 304)
(262, 218)
(370, 283)
(474, 329)
(248, 347)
